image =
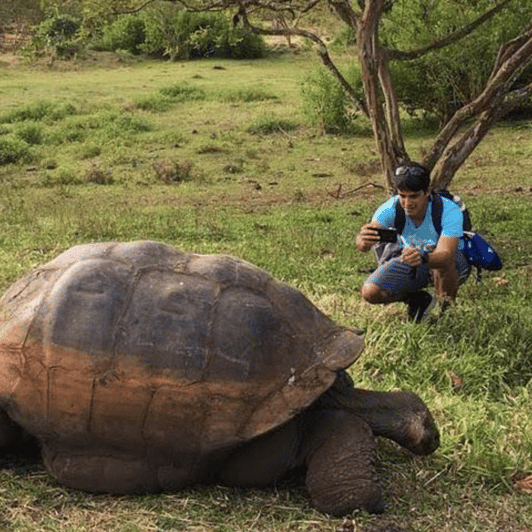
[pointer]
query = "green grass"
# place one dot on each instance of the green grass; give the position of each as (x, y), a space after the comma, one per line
(167, 151)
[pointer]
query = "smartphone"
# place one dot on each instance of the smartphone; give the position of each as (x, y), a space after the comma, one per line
(387, 235)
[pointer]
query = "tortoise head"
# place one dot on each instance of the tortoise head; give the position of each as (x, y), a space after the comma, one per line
(411, 424)
(399, 415)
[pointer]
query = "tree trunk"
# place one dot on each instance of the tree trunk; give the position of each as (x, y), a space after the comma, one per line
(373, 68)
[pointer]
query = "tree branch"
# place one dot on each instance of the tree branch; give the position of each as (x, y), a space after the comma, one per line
(321, 50)
(450, 39)
(497, 87)
(132, 11)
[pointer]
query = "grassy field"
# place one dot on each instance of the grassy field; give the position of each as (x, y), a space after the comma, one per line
(214, 157)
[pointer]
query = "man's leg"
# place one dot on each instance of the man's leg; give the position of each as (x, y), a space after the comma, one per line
(447, 280)
(393, 281)
(446, 284)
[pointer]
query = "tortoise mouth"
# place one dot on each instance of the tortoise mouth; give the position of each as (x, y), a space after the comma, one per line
(425, 433)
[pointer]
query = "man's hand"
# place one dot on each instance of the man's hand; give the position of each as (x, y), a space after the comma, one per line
(367, 236)
(412, 256)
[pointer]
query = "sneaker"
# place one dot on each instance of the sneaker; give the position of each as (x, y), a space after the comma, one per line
(419, 305)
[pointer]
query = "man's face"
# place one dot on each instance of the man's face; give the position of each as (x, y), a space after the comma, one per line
(414, 203)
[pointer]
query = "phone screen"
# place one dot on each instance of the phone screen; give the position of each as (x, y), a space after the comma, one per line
(387, 235)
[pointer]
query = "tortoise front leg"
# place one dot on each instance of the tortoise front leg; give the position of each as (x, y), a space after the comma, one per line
(341, 475)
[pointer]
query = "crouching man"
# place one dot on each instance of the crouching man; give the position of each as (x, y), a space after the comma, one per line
(428, 249)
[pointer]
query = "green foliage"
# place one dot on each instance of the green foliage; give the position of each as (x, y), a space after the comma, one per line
(166, 30)
(13, 150)
(30, 132)
(40, 110)
(59, 33)
(126, 32)
(441, 82)
(188, 35)
(325, 103)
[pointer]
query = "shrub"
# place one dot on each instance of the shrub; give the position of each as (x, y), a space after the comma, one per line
(127, 33)
(188, 35)
(58, 33)
(325, 104)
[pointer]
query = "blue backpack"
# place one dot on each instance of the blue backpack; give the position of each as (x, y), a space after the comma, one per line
(478, 251)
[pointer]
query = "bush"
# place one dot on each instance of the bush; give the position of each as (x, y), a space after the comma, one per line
(186, 35)
(124, 33)
(443, 81)
(325, 104)
(59, 34)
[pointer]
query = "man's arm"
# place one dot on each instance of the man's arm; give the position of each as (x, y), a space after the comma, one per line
(442, 256)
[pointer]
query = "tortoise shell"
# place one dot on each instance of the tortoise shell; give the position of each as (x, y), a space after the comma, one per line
(130, 346)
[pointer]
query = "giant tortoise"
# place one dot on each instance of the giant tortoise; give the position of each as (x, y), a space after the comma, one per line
(140, 368)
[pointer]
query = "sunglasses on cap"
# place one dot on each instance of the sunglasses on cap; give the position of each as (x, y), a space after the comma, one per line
(414, 171)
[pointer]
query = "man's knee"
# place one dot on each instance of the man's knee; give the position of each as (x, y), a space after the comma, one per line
(373, 294)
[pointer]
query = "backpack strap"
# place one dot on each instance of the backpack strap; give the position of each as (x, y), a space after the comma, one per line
(437, 210)
(400, 218)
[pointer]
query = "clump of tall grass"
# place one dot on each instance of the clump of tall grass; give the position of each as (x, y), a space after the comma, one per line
(13, 150)
(246, 95)
(266, 125)
(39, 111)
(165, 97)
(183, 92)
(30, 132)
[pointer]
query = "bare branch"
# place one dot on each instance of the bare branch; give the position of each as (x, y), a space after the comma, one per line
(321, 50)
(344, 10)
(311, 5)
(489, 103)
(510, 48)
(136, 10)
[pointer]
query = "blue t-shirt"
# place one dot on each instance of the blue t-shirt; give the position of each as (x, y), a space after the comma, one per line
(425, 236)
